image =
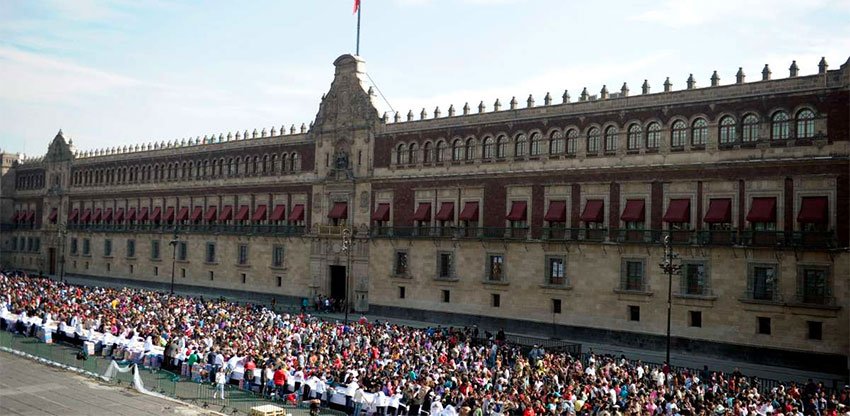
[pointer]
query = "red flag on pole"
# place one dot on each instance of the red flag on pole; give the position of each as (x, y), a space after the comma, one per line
(356, 6)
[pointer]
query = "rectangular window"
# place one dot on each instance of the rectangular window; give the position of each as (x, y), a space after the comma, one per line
(182, 273)
(447, 296)
(279, 281)
(495, 267)
(86, 246)
(242, 254)
(155, 250)
(107, 248)
(108, 266)
(813, 285)
(212, 275)
(182, 252)
(400, 268)
(401, 292)
(632, 276)
(694, 279)
(556, 306)
(87, 264)
(762, 282)
(131, 269)
(815, 330)
(131, 248)
(634, 313)
(763, 325)
(444, 265)
(244, 278)
(210, 254)
(496, 300)
(156, 270)
(695, 319)
(277, 256)
(555, 271)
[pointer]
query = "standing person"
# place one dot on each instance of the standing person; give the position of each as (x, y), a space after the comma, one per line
(220, 380)
(279, 378)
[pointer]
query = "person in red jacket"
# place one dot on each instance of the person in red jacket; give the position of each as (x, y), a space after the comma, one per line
(279, 381)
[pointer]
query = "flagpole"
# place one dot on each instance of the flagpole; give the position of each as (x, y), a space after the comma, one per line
(359, 6)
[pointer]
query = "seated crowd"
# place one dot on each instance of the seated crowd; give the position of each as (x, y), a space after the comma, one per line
(441, 371)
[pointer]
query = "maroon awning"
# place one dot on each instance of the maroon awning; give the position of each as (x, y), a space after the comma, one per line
(469, 212)
(242, 214)
(518, 211)
(16, 216)
(339, 211)
(446, 212)
(119, 216)
(107, 215)
(98, 213)
(557, 212)
(30, 216)
(86, 217)
(278, 213)
(678, 211)
(423, 212)
(762, 210)
(382, 213)
(226, 213)
(169, 215)
(156, 214)
(183, 214)
(142, 215)
(259, 213)
(210, 216)
(719, 211)
(813, 210)
(53, 214)
(635, 211)
(297, 213)
(197, 214)
(131, 214)
(74, 214)
(594, 210)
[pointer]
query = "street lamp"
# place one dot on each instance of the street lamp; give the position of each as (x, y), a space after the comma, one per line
(62, 233)
(670, 268)
(346, 248)
(173, 244)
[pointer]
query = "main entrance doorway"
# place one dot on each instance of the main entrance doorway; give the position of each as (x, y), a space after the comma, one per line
(52, 261)
(338, 282)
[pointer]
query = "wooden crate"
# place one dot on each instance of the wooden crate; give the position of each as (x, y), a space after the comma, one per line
(267, 410)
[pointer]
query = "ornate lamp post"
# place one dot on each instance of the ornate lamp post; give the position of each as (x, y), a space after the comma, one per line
(346, 248)
(62, 232)
(174, 241)
(671, 268)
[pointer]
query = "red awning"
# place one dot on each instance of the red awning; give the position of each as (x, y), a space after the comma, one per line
(446, 212)
(635, 211)
(53, 214)
(423, 212)
(30, 216)
(131, 214)
(259, 213)
(762, 210)
(107, 215)
(198, 213)
(339, 211)
(719, 211)
(97, 214)
(210, 216)
(242, 214)
(382, 213)
(813, 210)
(86, 215)
(297, 213)
(16, 216)
(156, 214)
(142, 215)
(594, 211)
(183, 214)
(518, 211)
(278, 213)
(74, 214)
(226, 213)
(557, 211)
(119, 216)
(679, 210)
(469, 212)
(169, 215)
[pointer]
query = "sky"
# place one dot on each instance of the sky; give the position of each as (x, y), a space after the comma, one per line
(120, 72)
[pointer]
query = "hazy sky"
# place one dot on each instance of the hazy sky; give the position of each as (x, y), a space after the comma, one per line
(117, 72)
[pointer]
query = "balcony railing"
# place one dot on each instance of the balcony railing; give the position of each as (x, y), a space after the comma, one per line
(241, 229)
(815, 299)
(574, 234)
(639, 236)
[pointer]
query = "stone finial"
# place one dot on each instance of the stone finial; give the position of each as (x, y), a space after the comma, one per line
(221, 137)
(205, 137)
(324, 96)
(547, 99)
(466, 108)
(566, 97)
(497, 105)
(409, 115)
(765, 73)
(481, 107)
(584, 95)
(603, 93)
(292, 129)
(263, 132)
(282, 129)
(303, 128)
(245, 135)
(691, 83)
(715, 79)
(254, 134)
(273, 132)
(644, 89)
(668, 86)
(529, 102)
(624, 90)
(423, 114)
(311, 126)
(793, 70)
(739, 77)
(371, 91)
(513, 103)
(822, 65)
(451, 110)
(397, 117)
(183, 141)
(238, 135)
(385, 118)
(437, 112)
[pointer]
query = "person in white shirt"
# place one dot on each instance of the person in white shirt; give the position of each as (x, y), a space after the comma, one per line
(220, 380)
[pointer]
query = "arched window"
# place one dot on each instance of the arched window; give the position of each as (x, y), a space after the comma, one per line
(275, 167)
(679, 133)
(457, 150)
(556, 143)
(221, 167)
(501, 147)
(519, 145)
(206, 169)
(611, 139)
(265, 164)
(727, 130)
(572, 141)
(634, 137)
(469, 152)
(805, 124)
(441, 154)
(427, 156)
(230, 166)
(653, 136)
(593, 141)
(779, 126)
(294, 162)
(413, 153)
(536, 138)
(750, 128)
(487, 148)
(401, 154)
(284, 162)
(699, 132)
(255, 165)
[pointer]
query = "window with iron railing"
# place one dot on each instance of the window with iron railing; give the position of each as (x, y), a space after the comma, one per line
(277, 256)
(400, 266)
(813, 285)
(242, 258)
(445, 265)
(210, 253)
(694, 279)
(762, 282)
(495, 267)
(555, 274)
(632, 275)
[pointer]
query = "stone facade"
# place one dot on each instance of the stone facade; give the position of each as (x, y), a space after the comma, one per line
(548, 219)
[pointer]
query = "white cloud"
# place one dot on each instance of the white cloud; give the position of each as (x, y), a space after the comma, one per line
(688, 13)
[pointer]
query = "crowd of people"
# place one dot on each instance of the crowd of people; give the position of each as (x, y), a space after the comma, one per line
(435, 370)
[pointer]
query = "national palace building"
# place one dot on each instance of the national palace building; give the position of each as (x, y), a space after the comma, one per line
(543, 217)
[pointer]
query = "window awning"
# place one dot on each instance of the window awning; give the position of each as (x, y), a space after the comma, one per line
(259, 214)
(30, 216)
(594, 211)
(142, 215)
(242, 214)
(210, 216)
(719, 211)
(53, 214)
(339, 211)
(557, 211)
(446, 212)
(518, 211)
(813, 210)
(423, 212)
(635, 211)
(678, 211)
(131, 214)
(98, 213)
(16, 216)
(762, 210)
(183, 214)
(86, 215)
(74, 214)
(278, 213)
(119, 216)
(382, 213)
(169, 215)
(297, 213)
(197, 213)
(226, 213)
(156, 214)
(469, 212)
(107, 215)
